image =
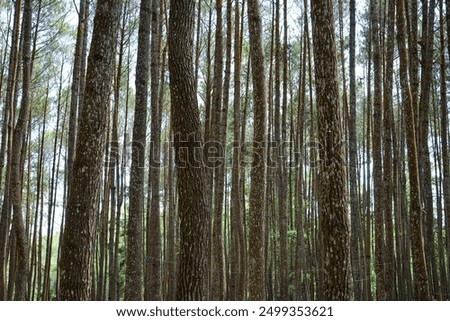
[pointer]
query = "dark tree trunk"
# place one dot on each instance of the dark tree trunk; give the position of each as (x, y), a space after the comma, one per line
(418, 255)
(257, 286)
(79, 234)
(153, 262)
(193, 210)
(353, 154)
(334, 225)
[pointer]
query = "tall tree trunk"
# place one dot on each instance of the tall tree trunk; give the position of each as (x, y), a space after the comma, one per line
(236, 214)
(334, 229)
(418, 255)
(133, 289)
(377, 153)
(153, 262)
(53, 183)
(193, 210)
(353, 158)
(7, 132)
(75, 90)
(423, 132)
(444, 138)
(77, 252)
(18, 148)
(258, 171)
(388, 124)
(114, 172)
(217, 251)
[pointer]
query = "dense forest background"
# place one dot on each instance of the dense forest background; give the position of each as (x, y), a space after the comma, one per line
(224, 150)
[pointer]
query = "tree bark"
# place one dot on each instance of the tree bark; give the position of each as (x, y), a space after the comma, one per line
(153, 262)
(421, 289)
(334, 229)
(133, 289)
(79, 234)
(193, 210)
(258, 170)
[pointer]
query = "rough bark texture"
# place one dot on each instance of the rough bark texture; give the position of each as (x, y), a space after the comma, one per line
(133, 288)
(153, 261)
(353, 154)
(388, 125)
(237, 276)
(377, 154)
(193, 211)
(79, 233)
(18, 149)
(257, 218)
(75, 87)
(445, 149)
(217, 250)
(334, 226)
(8, 124)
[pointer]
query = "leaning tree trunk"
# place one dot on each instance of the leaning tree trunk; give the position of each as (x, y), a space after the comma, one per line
(79, 232)
(19, 134)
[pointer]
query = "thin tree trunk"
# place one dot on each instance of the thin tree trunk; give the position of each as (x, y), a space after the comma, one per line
(423, 150)
(20, 132)
(353, 154)
(377, 154)
(388, 123)
(444, 138)
(218, 286)
(75, 87)
(153, 262)
(236, 270)
(7, 133)
(53, 188)
(133, 289)
(421, 288)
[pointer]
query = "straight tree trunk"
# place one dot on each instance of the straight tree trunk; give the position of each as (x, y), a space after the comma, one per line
(153, 262)
(444, 138)
(353, 158)
(256, 245)
(114, 172)
(218, 286)
(192, 208)
(236, 223)
(423, 132)
(388, 124)
(421, 288)
(377, 153)
(334, 225)
(53, 183)
(133, 289)
(7, 132)
(75, 90)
